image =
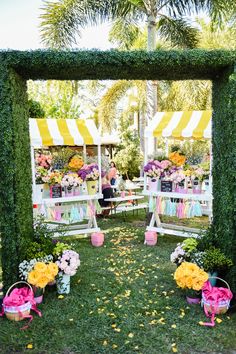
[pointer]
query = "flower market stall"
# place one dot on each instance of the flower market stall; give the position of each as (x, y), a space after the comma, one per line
(66, 187)
(175, 189)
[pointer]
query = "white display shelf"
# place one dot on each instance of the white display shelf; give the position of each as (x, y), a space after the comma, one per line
(200, 197)
(79, 198)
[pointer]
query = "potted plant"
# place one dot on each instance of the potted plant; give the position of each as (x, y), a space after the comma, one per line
(190, 277)
(68, 262)
(215, 262)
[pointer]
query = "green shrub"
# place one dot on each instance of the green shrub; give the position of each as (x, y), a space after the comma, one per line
(214, 260)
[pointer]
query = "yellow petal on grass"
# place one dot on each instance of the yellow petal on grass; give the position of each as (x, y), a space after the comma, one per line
(201, 323)
(173, 344)
(114, 346)
(60, 297)
(218, 320)
(117, 329)
(174, 350)
(141, 325)
(71, 319)
(130, 335)
(29, 346)
(113, 325)
(104, 343)
(173, 326)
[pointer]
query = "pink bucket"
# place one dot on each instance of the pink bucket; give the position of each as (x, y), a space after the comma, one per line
(97, 239)
(150, 238)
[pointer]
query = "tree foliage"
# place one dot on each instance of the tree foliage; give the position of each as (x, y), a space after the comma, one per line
(59, 99)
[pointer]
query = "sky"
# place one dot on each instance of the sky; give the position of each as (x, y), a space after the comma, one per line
(19, 27)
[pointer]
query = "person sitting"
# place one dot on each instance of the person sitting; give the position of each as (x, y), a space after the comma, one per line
(107, 192)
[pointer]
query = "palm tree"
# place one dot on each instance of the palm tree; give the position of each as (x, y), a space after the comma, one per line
(62, 20)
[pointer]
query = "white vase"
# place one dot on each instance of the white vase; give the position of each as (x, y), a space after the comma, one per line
(63, 283)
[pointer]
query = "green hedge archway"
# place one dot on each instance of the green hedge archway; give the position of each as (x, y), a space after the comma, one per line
(16, 67)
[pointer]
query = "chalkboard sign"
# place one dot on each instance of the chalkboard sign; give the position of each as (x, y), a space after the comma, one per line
(166, 186)
(196, 183)
(55, 191)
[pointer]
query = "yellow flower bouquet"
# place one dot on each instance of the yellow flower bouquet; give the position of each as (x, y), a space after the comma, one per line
(42, 274)
(190, 276)
(177, 158)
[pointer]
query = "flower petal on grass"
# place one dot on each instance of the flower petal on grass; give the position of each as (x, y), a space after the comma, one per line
(130, 335)
(60, 297)
(218, 320)
(29, 346)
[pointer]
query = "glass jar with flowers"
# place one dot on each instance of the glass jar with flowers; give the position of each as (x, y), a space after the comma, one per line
(70, 181)
(90, 174)
(191, 278)
(153, 170)
(68, 262)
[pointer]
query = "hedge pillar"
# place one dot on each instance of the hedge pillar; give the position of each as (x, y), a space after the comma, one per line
(224, 167)
(16, 219)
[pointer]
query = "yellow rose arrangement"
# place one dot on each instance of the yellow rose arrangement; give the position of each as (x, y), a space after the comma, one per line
(190, 276)
(76, 162)
(42, 274)
(177, 158)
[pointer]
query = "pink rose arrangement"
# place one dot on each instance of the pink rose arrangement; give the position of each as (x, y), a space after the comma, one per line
(43, 160)
(68, 262)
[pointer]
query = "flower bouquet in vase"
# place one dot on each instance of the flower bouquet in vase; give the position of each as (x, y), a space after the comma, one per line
(68, 262)
(190, 277)
(153, 170)
(54, 180)
(90, 174)
(70, 182)
(41, 274)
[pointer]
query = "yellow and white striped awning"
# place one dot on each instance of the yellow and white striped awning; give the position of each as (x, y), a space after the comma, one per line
(49, 132)
(180, 125)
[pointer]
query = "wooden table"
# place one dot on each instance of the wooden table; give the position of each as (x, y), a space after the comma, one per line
(123, 208)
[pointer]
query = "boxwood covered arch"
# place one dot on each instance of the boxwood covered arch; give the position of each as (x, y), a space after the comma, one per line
(16, 67)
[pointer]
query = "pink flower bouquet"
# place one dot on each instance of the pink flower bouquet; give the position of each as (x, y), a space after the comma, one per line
(68, 262)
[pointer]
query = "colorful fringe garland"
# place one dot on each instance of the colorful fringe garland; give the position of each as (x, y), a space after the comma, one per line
(181, 208)
(69, 213)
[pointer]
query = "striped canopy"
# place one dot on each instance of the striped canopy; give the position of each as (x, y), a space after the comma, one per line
(180, 125)
(49, 132)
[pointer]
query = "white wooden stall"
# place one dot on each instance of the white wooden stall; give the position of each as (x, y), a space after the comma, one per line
(67, 132)
(178, 125)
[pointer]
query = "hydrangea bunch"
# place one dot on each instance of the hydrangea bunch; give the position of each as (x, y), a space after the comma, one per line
(68, 262)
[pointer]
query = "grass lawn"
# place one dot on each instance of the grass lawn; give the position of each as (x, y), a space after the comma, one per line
(123, 300)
